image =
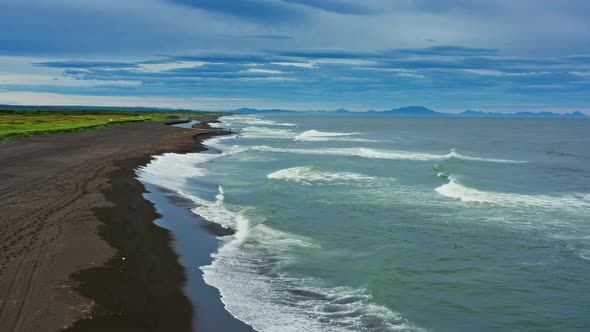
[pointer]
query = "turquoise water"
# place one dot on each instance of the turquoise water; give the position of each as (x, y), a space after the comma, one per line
(351, 223)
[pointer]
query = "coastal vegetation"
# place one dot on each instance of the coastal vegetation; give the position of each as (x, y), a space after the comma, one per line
(22, 123)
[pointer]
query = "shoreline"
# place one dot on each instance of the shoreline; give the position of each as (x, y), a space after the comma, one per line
(194, 239)
(81, 250)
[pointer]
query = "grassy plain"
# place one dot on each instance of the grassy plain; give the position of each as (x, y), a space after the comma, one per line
(27, 123)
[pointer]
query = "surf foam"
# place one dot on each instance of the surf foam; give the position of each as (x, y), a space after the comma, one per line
(457, 155)
(250, 120)
(265, 132)
(321, 136)
(454, 189)
(355, 152)
(246, 271)
(378, 154)
(173, 169)
(307, 175)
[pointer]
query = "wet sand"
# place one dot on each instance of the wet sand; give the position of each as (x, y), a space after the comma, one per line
(78, 246)
(195, 239)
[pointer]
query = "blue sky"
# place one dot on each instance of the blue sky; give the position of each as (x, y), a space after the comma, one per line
(493, 55)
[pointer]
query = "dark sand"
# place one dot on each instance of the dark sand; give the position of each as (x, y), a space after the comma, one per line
(70, 211)
(194, 243)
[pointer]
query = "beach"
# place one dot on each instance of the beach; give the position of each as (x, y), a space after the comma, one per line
(79, 249)
(297, 223)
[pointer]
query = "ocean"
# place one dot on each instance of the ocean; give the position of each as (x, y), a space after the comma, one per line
(369, 223)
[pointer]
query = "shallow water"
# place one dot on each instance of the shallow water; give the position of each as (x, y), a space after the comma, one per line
(350, 223)
(187, 125)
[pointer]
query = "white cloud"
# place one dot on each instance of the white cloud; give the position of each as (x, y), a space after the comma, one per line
(275, 78)
(410, 75)
(67, 81)
(352, 62)
(580, 73)
(44, 98)
(492, 72)
(295, 64)
(159, 67)
(396, 70)
(262, 71)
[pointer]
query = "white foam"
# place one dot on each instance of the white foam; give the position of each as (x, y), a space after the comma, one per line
(379, 154)
(357, 152)
(584, 254)
(220, 196)
(308, 175)
(171, 170)
(320, 136)
(455, 154)
(265, 132)
(454, 189)
(246, 272)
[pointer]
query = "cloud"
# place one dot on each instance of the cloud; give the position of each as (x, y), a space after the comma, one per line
(258, 10)
(295, 64)
(263, 71)
(84, 64)
(43, 98)
(492, 72)
(62, 81)
(302, 52)
(325, 54)
(331, 75)
(410, 75)
(450, 50)
(165, 66)
(272, 37)
(222, 57)
(335, 6)
(580, 73)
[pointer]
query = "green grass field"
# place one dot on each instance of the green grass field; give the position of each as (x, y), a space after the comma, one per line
(27, 123)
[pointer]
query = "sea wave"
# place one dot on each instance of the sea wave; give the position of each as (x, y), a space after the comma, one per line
(354, 152)
(379, 154)
(566, 154)
(584, 254)
(457, 155)
(249, 120)
(246, 271)
(265, 132)
(308, 175)
(321, 136)
(456, 190)
(173, 169)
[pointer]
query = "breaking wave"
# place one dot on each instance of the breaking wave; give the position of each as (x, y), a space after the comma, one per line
(246, 271)
(380, 154)
(356, 152)
(456, 190)
(249, 120)
(308, 175)
(265, 132)
(320, 136)
(248, 268)
(566, 154)
(457, 155)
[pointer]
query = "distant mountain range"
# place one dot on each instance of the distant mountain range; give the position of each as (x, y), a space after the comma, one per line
(409, 111)
(418, 111)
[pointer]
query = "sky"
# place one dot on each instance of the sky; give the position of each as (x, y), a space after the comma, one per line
(490, 55)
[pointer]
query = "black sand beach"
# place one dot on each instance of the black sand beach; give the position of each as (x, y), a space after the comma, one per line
(79, 247)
